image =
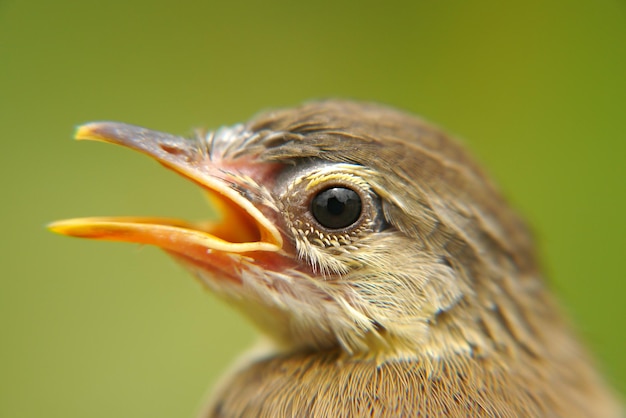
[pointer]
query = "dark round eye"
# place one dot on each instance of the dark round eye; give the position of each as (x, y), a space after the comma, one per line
(337, 207)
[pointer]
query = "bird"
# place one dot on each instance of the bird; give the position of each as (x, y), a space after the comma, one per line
(387, 272)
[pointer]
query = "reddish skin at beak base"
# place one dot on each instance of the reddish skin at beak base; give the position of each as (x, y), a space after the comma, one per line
(243, 233)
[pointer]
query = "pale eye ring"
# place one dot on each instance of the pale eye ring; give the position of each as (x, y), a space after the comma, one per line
(336, 207)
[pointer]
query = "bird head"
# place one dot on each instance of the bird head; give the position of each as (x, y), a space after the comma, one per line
(340, 225)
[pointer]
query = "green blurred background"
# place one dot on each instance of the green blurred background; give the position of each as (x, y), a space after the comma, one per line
(92, 329)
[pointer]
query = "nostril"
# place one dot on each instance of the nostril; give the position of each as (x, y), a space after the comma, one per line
(171, 149)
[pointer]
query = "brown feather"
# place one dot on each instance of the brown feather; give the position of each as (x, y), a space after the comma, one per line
(492, 343)
(426, 299)
(326, 384)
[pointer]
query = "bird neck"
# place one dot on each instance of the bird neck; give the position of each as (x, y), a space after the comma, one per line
(329, 383)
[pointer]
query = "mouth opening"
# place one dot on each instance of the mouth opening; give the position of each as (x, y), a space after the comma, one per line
(240, 227)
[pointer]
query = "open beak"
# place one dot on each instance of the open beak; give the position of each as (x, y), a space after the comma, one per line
(241, 228)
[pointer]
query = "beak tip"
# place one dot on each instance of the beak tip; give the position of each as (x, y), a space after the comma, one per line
(89, 131)
(58, 227)
(79, 228)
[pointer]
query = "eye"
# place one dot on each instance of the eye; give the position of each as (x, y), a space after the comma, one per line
(336, 207)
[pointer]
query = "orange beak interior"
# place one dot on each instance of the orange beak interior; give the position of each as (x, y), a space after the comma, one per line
(241, 227)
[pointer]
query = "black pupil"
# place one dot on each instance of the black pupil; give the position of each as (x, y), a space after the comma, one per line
(337, 207)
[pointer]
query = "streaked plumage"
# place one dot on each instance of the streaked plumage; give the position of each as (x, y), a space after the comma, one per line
(430, 304)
